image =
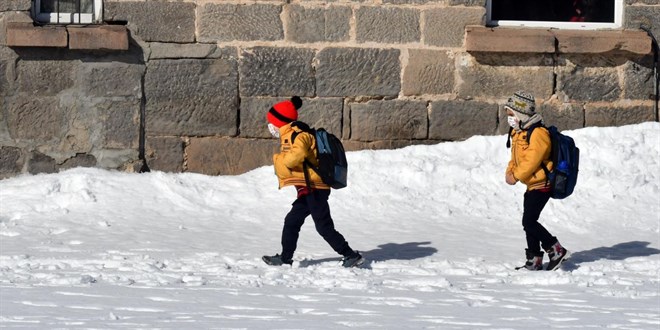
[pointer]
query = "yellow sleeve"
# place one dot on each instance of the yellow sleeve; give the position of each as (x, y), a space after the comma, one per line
(530, 160)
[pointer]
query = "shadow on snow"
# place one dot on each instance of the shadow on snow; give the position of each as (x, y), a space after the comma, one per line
(384, 252)
(619, 251)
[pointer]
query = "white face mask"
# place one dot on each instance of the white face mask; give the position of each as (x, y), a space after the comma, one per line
(513, 121)
(274, 131)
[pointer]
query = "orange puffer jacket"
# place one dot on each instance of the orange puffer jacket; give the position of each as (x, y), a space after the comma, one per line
(526, 158)
(289, 162)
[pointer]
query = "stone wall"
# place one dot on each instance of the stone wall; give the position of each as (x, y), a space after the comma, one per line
(192, 90)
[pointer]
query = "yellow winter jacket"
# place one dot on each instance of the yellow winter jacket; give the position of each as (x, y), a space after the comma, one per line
(289, 162)
(526, 158)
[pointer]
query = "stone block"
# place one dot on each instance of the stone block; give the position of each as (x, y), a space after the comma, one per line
(11, 17)
(638, 79)
(161, 50)
(271, 71)
(155, 20)
(389, 120)
(387, 24)
(445, 27)
(618, 114)
(317, 24)
(647, 16)
(429, 72)
(191, 97)
(15, 5)
(245, 22)
(40, 163)
(319, 112)
(164, 153)
(11, 161)
(111, 79)
(91, 37)
(500, 77)
(343, 72)
(121, 123)
(79, 160)
(39, 119)
(26, 34)
(593, 42)
(566, 116)
(459, 120)
(583, 82)
(508, 40)
(223, 156)
(44, 78)
(383, 144)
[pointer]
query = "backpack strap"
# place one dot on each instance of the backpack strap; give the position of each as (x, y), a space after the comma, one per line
(508, 138)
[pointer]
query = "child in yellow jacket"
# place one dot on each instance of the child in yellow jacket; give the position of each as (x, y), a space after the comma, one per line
(528, 152)
(297, 147)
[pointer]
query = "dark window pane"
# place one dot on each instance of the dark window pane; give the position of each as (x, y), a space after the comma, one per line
(67, 6)
(600, 11)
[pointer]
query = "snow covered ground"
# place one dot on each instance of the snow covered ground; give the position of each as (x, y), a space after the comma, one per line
(88, 248)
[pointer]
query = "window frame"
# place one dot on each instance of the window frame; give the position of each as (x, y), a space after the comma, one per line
(68, 17)
(617, 24)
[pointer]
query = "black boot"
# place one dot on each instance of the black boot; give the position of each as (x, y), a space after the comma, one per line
(534, 260)
(276, 260)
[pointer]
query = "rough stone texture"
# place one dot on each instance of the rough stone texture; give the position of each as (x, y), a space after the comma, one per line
(10, 17)
(648, 16)
(638, 79)
(321, 112)
(228, 22)
(175, 20)
(388, 120)
(107, 37)
(269, 71)
(503, 75)
(191, 97)
(11, 161)
(177, 51)
(566, 116)
(44, 77)
(429, 72)
(578, 41)
(79, 160)
(26, 34)
(121, 123)
(223, 156)
(308, 25)
(618, 115)
(40, 163)
(164, 153)
(508, 40)
(12, 5)
(358, 72)
(580, 81)
(111, 79)
(383, 144)
(387, 24)
(445, 27)
(459, 120)
(34, 118)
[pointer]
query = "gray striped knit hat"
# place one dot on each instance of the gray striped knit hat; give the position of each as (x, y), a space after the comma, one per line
(522, 103)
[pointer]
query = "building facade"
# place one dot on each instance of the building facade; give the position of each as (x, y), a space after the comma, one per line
(184, 86)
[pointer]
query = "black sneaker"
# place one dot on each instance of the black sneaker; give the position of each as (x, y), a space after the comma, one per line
(355, 260)
(276, 260)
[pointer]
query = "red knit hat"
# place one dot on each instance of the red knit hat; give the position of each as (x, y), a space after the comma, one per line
(284, 112)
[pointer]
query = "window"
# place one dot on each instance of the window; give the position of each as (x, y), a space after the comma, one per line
(68, 11)
(566, 14)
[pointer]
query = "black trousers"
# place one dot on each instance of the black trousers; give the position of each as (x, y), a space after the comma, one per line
(535, 233)
(316, 204)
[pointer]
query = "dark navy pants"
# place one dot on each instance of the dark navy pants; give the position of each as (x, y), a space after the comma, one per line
(316, 204)
(536, 234)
